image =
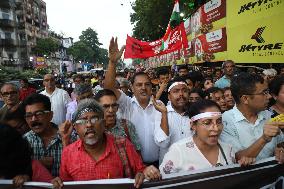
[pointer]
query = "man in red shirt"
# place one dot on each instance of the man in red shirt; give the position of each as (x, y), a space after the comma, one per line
(25, 90)
(98, 155)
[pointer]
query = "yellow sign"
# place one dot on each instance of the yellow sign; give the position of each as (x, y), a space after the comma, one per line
(255, 31)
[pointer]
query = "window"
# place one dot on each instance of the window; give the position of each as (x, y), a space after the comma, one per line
(5, 15)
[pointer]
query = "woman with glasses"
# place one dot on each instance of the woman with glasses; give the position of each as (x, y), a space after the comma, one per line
(203, 149)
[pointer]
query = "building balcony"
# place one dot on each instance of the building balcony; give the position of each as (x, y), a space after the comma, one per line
(7, 23)
(7, 42)
(6, 4)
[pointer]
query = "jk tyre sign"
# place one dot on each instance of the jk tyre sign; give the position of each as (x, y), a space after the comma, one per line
(255, 31)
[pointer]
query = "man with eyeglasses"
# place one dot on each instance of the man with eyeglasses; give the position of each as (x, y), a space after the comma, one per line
(119, 127)
(97, 154)
(10, 96)
(247, 126)
(228, 68)
(43, 137)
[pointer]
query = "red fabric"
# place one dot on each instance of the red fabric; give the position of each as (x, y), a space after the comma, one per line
(77, 164)
(175, 38)
(40, 173)
(24, 92)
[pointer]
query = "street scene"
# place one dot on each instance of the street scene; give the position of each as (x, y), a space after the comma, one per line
(141, 94)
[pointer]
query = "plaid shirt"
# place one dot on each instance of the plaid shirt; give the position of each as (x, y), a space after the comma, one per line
(54, 149)
(78, 165)
(118, 130)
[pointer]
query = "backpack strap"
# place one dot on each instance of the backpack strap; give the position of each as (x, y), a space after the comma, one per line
(120, 144)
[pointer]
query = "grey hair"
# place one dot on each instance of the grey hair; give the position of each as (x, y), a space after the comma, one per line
(87, 105)
(82, 88)
(270, 72)
(227, 62)
(11, 84)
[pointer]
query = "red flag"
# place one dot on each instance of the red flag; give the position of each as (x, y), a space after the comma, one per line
(173, 40)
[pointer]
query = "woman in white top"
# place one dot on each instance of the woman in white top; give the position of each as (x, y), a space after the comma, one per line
(203, 149)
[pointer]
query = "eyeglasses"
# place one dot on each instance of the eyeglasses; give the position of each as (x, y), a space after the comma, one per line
(230, 66)
(38, 114)
(81, 122)
(6, 94)
(265, 92)
(113, 106)
(208, 124)
(49, 80)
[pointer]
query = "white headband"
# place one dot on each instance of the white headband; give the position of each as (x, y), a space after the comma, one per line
(175, 84)
(205, 115)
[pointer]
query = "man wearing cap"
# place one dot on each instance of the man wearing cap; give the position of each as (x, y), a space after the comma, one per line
(178, 124)
(228, 68)
(139, 109)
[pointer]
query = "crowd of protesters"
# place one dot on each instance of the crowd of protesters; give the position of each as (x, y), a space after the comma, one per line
(140, 124)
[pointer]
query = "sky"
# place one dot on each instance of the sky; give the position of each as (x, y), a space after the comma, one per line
(107, 17)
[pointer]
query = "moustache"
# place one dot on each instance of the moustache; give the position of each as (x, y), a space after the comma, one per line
(182, 98)
(34, 124)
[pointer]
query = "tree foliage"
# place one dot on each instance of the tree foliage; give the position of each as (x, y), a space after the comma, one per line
(103, 56)
(88, 49)
(151, 17)
(81, 52)
(46, 46)
(8, 74)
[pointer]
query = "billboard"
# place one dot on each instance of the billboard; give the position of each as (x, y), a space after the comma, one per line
(255, 31)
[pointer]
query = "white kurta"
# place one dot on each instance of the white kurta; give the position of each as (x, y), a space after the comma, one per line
(179, 128)
(184, 156)
(59, 100)
(144, 121)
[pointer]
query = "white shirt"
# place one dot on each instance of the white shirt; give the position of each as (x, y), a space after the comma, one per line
(240, 133)
(71, 108)
(59, 100)
(145, 125)
(179, 128)
(184, 156)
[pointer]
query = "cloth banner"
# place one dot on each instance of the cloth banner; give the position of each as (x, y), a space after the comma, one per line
(265, 175)
(206, 33)
(173, 40)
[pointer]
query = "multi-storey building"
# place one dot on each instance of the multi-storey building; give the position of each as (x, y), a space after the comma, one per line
(22, 22)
